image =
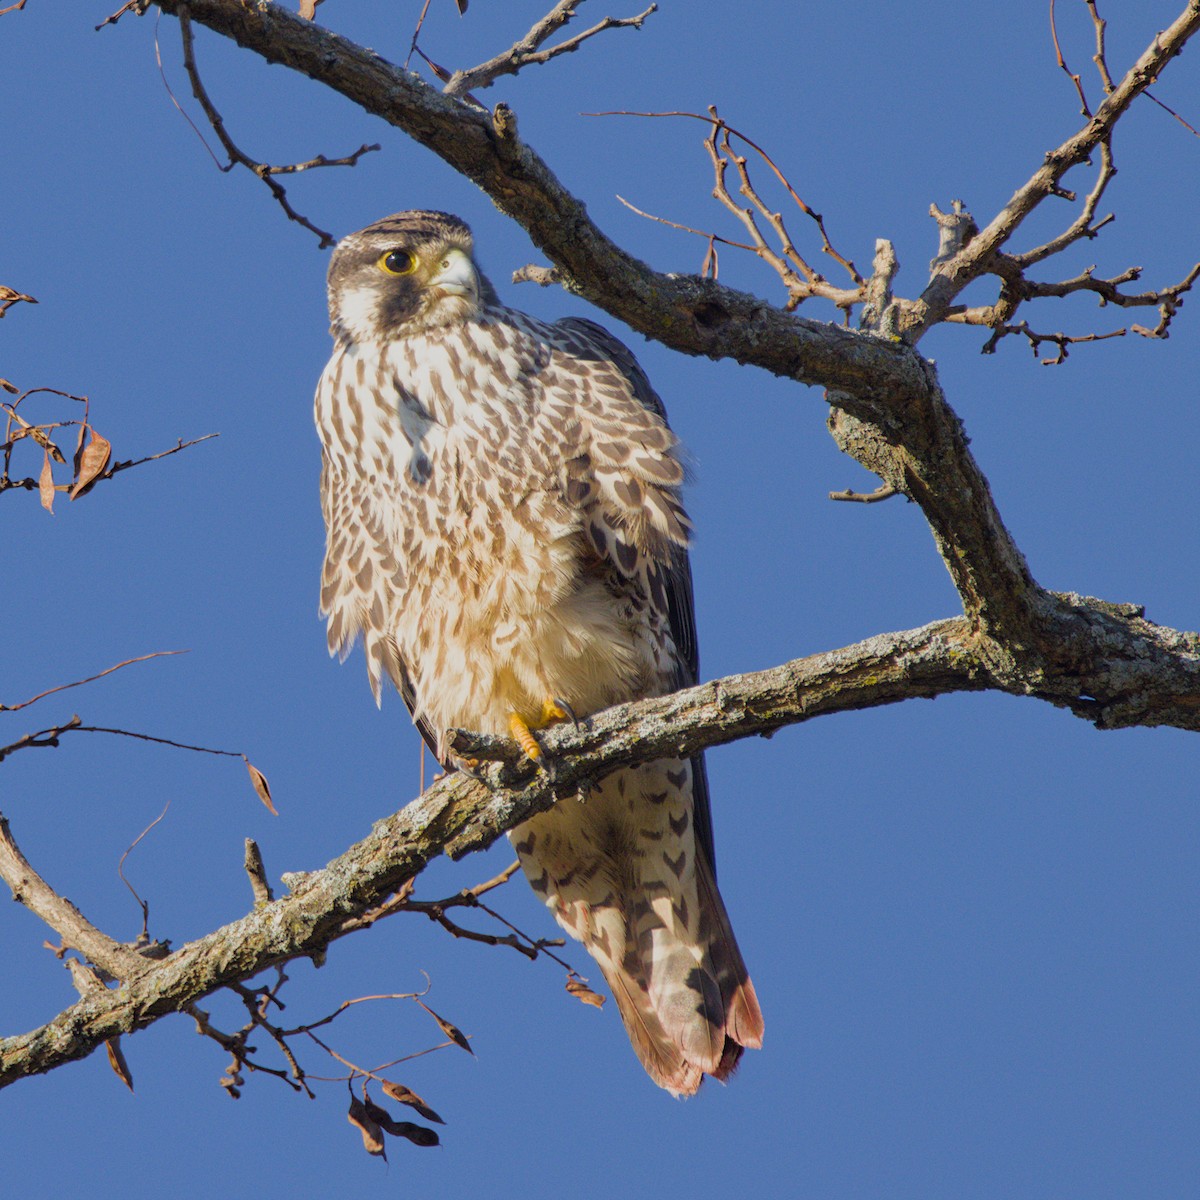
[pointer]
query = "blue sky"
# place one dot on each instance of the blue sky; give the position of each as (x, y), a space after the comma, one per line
(971, 923)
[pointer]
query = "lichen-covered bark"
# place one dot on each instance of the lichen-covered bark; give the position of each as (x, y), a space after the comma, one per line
(1158, 682)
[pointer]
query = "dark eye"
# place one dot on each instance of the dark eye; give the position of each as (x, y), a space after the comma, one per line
(398, 262)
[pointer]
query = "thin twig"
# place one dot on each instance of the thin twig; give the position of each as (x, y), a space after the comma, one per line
(412, 48)
(62, 687)
(998, 316)
(1100, 58)
(144, 905)
(884, 492)
(373, 1072)
(709, 268)
(42, 738)
(1165, 107)
(77, 932)
(528, 50)
(1082, 226)
(798, 276)
(50, 737)
(348, 1004)
(1062, 340)
(138, 6)
(137, 462)
(1074, 78)
(237, 157)
(145, 737)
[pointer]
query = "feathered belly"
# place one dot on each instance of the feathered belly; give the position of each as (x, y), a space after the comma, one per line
(512, 614)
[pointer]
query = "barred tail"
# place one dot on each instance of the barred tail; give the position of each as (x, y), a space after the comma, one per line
(623, 873)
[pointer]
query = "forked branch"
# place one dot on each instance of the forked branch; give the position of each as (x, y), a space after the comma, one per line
(237, 157)
(531, 50)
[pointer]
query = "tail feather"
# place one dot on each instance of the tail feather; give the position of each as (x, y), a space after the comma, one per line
(664, 1060)
(623, 873)
(743, 1017)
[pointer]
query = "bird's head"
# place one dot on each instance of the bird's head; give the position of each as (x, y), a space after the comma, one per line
(408, 272)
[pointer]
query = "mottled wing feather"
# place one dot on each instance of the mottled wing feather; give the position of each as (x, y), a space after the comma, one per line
(355, 550)
(680, 600)
(683, 616)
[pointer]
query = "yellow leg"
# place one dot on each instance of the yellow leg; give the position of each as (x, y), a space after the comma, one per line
(553, 710)
(519, 728)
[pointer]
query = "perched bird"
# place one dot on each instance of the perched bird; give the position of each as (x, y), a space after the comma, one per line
(505, 533)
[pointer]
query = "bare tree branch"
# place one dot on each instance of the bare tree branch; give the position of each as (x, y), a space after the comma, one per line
(951, 277)
(76, 931)
(237, 157)
(801, 280)
(528, 51)
(1121, 670)
(1062, 64)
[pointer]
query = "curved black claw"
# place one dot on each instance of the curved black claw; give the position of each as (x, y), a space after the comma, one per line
(568, 710)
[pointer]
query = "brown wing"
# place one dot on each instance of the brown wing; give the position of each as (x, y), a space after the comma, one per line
(678, 573)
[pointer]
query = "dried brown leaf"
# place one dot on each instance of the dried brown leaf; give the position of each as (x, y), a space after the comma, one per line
(440, 71)
(116, 1060)
(79, 444)
(462, 6)
(417, 1134)
(403, 1095)
(37, 432)
(581, 991)
(453, 1032)
(372, 1135)
(91, 462)
(308, 9)
(9, 386)
(261, 786)
(46, 484)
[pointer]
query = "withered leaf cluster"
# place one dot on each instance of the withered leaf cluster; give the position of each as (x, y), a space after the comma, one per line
(373, 1120)
(89, 462)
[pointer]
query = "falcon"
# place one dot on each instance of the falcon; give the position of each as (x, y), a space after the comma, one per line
(505, 534)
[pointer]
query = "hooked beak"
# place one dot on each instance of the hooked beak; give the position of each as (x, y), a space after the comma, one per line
(457, 276)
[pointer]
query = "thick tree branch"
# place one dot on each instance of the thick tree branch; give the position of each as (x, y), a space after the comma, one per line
(459, 814)
(689, 314)
(76, 931)
(888, 409)
(1116, 669)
